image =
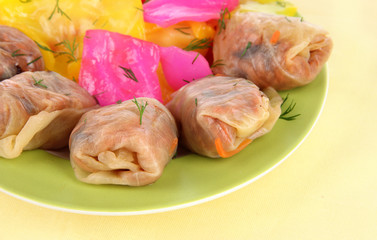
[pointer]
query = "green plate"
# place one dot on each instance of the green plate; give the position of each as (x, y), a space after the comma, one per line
(44, 179)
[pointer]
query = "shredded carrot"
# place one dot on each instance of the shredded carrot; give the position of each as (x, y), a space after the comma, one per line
(275, 37)
(219, 75)
(222, 153)
(173, 146)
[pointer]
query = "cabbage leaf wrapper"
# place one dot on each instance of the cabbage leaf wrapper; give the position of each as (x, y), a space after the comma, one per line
(116, 144)
(271, 50)
(218, 116)
(18, 53)
(39, 110)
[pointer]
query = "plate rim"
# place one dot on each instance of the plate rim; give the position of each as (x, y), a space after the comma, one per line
(191, 203)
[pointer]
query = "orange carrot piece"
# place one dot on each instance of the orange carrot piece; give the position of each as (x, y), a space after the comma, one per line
(222, 153)
(275, 37)
(166, 90)
(173, 146)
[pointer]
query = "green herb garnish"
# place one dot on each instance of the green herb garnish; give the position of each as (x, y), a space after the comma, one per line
(59, 10)
(288, 19)
(100, 93)
(119, 102)
(105, 23)
(16, 54)
(70, 50)
(196, 102)
(195, 44)
(98, 19)
(217, 63)
(221, 21)
(44, 47)
(288, 110)
(95, 21)
(141, 108)
(247, 48)
(280, 3)
(197, 55)
(38, 82)
(129, 73)
(181, 30)
(29, 63)
(185, 80)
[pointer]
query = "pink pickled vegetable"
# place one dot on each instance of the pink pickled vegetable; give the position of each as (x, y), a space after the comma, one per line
(181, 67)
(118, 67)
(168, 12)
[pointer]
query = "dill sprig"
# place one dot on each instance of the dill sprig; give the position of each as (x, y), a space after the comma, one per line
(44, 47)
(247, 48)
(288, 110)
(197, 55)
(58, 10)
(97, 94)
(181, 30)
(38, 82)
(218, 62)
(70, 50)
(281, 4)
(36, 59)
(129, 73)
(16, 54)
(221, 21)
(141, 108)
(195, 44)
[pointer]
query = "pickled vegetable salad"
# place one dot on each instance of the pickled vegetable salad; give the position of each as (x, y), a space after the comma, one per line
(59, 29)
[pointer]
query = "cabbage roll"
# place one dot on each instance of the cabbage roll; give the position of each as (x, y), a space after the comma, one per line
(18, 53)
(218, 116)
(271, 50)
(128, 143)
(39, 110)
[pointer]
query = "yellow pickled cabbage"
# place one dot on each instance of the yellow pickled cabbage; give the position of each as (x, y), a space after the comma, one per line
(180, 34)
(59, 26)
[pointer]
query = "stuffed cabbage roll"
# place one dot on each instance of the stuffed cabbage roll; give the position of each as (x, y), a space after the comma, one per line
(128, 143)
(271, 50)
(219, 116)
(39, 110)
(18, 53)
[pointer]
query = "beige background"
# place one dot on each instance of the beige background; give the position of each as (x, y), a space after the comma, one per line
(326, 190)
